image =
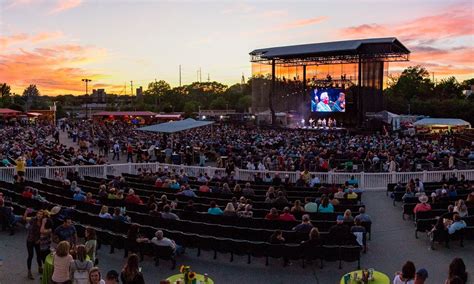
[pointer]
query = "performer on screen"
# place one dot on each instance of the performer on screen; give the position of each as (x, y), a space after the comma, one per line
(314, 100)
(340, 104)
(323, 105)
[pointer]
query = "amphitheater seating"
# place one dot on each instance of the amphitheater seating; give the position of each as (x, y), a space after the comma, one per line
(219, 238)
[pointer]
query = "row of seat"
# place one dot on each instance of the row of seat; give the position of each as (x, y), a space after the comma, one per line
(257, 213)
(256, 234)
(209, 243)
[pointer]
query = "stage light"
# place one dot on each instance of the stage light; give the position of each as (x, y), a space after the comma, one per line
(302, 121)
(203, 117)
(221, 117)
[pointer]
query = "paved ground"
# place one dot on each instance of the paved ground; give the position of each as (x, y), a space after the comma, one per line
(392, 244)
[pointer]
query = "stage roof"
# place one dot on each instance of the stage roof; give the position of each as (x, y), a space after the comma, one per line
(124, 113)
(442, 122)
(176, 126)
(383, 49)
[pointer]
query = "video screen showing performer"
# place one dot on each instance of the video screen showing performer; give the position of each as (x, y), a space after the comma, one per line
(328, 100)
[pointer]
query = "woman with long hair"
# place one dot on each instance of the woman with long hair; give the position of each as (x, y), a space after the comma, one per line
(457, 268)
(80, 267)
(91, 244)
(61, 263)
(407, 276)
(131, 273)
(33, 239)
(95, 277)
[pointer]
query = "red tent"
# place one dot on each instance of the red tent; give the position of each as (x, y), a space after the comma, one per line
(9, 112)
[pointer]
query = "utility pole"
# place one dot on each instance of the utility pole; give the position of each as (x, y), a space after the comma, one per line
(180, 75)
(131, 87)
(200, 75)
(208, 78)
(87, 93)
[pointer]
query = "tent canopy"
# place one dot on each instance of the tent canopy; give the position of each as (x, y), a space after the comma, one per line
(441, 122)
(176, 126)
(7, 111)
(124, 113)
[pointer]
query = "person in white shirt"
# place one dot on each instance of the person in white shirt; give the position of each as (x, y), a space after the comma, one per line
(160, 240)
(314, 181)
(250, 166)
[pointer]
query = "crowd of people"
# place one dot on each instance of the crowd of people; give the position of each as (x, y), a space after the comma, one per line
(457, 274)
(232, 146)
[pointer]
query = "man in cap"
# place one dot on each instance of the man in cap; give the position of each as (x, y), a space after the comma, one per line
(421, 276)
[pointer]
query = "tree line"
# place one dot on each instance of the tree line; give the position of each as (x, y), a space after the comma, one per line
(413, 91)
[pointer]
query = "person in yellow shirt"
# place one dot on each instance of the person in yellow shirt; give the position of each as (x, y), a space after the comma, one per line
(351, 194)
(20, 166)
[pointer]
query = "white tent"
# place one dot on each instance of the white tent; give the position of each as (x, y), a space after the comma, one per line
(441, 123)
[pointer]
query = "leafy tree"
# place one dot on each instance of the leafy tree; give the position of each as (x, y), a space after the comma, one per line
(219, 103)
(448, 88)
(244, 103)
(5, 90)
(190, 107)
(31, 91)
(414, 81)
(30, 94)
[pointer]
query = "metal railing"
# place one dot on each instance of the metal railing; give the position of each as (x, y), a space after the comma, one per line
(366, 181)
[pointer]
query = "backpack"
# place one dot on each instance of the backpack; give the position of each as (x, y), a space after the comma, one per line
(81, 276)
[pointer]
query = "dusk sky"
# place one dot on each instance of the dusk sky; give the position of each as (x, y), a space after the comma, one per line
(56, 43)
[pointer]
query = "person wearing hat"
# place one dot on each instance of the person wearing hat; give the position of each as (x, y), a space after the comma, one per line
(423, 206)
(421, 276)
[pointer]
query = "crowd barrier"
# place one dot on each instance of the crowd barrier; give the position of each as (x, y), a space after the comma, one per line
(366, 181)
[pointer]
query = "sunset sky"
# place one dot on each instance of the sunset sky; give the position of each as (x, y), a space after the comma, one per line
(56, 43)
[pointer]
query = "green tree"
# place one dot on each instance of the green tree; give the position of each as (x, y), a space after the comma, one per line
(414, 81)
(5, 93)
(190, 107)
(219, 103)
(155, 92)
(30, 95)
(5, 90)
(244, 103)
(448, 88)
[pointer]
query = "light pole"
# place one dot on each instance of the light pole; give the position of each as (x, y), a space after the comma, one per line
(87, 82)
(87, 93)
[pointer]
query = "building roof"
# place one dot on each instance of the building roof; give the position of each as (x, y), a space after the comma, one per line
(168, 116)
(441, 122)
(176, 126)
(346, 47)
(4, 111)
(124, 113)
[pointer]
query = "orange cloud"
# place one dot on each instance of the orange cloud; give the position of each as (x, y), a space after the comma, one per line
(6, 41)
(63, 5)
(55, 70)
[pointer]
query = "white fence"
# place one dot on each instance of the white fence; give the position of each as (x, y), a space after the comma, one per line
(367, 181)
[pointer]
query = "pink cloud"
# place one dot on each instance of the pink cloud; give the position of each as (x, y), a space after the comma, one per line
(424, 36)
(453, 22)
(302, 23)
(63, 5)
